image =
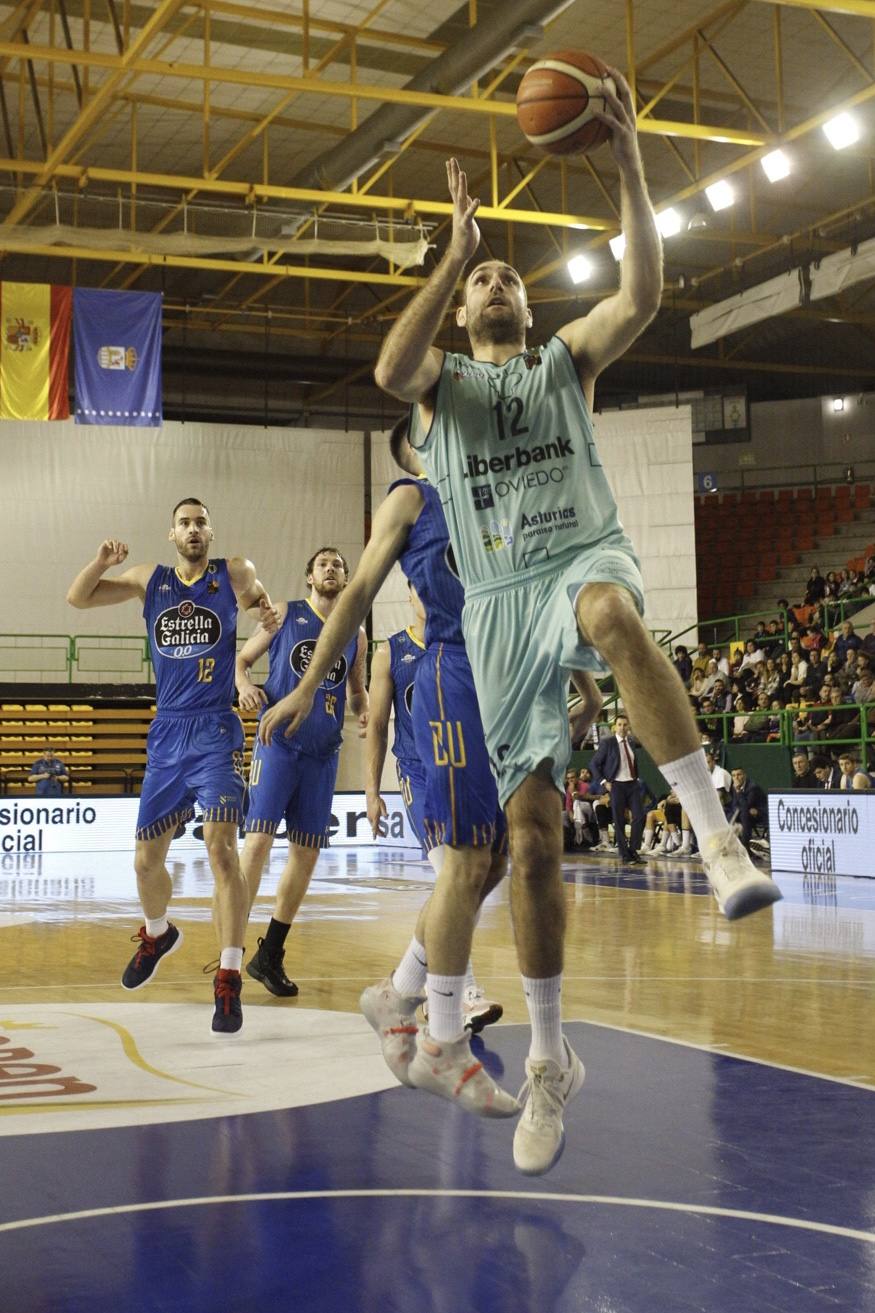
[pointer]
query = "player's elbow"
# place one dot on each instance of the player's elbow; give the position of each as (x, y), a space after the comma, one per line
(73, 599)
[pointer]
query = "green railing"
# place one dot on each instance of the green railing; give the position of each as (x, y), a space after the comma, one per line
(84, 658)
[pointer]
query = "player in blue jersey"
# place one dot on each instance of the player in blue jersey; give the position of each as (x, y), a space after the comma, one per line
(195, 744)
(394, 666)
(461, 806)
(293, 780)
(551, 580)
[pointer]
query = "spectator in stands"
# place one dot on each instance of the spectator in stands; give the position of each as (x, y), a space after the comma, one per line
(868, 643)
(813, 639)
(743, 708)
(827, 772)
(797, 675)
(49, 774)
(758, 721)
(718, 655)
(803, 728)
(863, 690)
(816, 667)
(568, 808)
(846, 641)
(853, 776)
(702, 657)
(712, 674)
(720, 778)
(697, 684)
(803, 771)
(770, 679)
(720, 696)
(815, 588)
(775, 720)
(760, 634)
(586, 830)
(846, 678)
(843, 720)
(753, 655)
(748, 802)
(711, 725)
(683, 663)
(847, 583)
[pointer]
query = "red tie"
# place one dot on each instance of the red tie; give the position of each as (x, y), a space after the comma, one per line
(630, 760)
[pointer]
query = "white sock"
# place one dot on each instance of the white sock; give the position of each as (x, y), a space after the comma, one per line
(688, 841)
(445, 1000)
(231, 959)
(544, 1001)
(690, 780)
(154, 929)
(409, 975)
(604, 837)
(649, 834)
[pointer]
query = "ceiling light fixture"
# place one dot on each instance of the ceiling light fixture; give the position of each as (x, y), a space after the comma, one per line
(580, 268)
(669, 222)
(618, 246)
(776, 165)
(720, 195)
(842, 131)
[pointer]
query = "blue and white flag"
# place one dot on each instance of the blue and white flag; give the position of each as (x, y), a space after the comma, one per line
(117, 340)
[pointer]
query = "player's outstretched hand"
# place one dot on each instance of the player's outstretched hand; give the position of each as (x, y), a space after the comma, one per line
(619, 115)
(466, 234)
(376, 813)
(250, 696)
(268, 615)
(363, 724)
(294, 708)
(112, 552)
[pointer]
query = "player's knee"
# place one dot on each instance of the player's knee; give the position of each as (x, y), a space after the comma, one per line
(146, 865)
(609, 619)
(222, 854)
(535, 846)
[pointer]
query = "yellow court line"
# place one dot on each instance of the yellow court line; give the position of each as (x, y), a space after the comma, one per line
(131, 1051)
(67, 1106)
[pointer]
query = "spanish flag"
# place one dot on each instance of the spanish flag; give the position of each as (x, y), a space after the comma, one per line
(34, 350)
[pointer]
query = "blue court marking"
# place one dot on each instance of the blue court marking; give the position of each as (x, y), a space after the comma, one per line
(691, 1181)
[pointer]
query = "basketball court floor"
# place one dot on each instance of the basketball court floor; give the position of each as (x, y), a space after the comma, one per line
(720, 1158)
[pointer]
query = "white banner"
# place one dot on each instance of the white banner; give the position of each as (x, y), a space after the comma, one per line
(69, 825)
(815, 833)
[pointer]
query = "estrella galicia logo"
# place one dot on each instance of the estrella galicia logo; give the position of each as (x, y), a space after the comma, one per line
(482, 495)
(302, 654)
(183, 630)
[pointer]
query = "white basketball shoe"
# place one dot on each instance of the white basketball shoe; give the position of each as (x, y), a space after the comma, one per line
(450, 1070)
(540, 1134)
(393, 1017)
(737, 884)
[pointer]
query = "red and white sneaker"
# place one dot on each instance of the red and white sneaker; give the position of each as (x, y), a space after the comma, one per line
(450, 1070)
(393, 1017)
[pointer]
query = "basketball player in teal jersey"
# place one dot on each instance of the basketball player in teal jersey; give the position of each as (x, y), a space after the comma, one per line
(294, 781)
(551, 581)
(195, 745)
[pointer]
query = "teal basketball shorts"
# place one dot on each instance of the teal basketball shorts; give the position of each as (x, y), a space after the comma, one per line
(523, 642)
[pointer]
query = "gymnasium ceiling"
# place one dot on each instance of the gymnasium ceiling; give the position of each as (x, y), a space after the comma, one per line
(302, 120)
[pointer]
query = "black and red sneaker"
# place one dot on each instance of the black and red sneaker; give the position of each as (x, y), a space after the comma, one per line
(228, 1016)
(144, 963)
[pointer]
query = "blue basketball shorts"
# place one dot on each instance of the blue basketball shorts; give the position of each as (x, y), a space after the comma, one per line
(523, 642)
(193, 758)
(287, 784)
(411, 783)
(461, 801)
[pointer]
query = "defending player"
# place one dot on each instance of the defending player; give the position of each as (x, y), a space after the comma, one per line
(551, 581)
(293, 780)
(195, 744)
(394, 666)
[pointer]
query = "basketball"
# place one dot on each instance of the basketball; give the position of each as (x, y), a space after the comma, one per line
(556, 99)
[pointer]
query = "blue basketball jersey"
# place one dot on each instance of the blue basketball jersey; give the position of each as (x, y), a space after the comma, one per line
(290, 652)
(428, 561)
(192, 632)
(405, 653)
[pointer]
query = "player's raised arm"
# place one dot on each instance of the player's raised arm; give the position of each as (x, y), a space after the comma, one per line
(613, 325)
(388, 535)
(382, 689)
(409, 364)
(252, 596)
(89, 588)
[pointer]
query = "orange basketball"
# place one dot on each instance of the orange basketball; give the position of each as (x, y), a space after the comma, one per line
(555, 102)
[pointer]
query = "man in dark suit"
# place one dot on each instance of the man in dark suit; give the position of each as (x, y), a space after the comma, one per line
(615, 764)
(748, 802)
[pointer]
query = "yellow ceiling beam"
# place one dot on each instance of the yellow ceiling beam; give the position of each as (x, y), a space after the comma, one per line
(755, 366)
(859, 8)
(325, 87)
(256, 268)
(407, 207)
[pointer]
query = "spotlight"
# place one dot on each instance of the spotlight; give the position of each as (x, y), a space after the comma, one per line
(580, 268)
(698, 220)
(618, 246)
(776, 165)
(838, 403)
(842, 131)
(669, 222)
(720, 194)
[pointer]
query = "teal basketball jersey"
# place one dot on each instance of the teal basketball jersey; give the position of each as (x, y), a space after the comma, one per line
(512, 455)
